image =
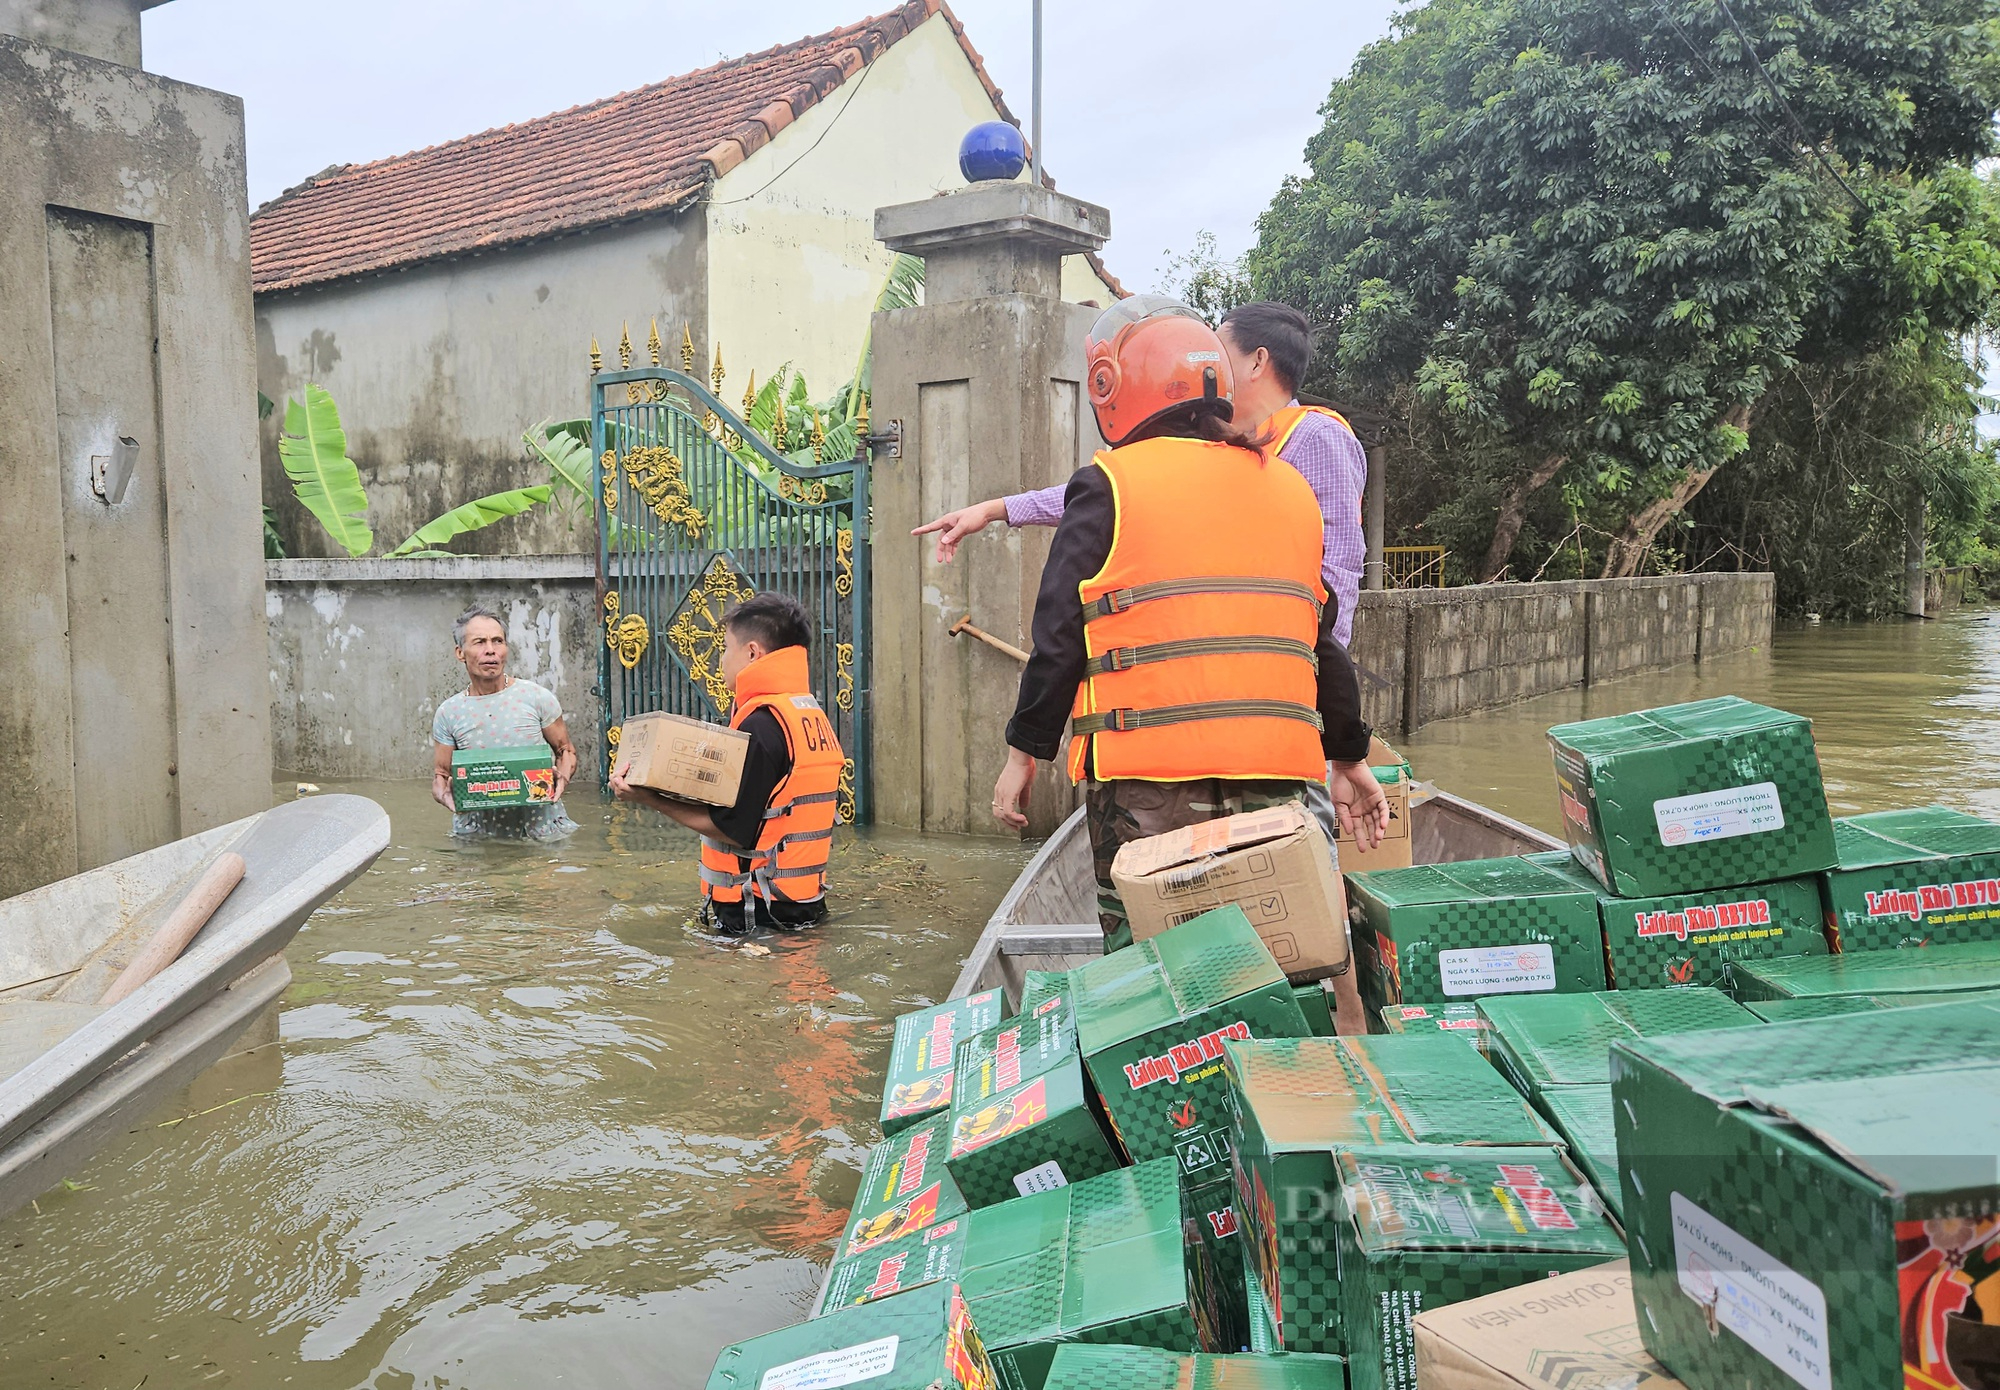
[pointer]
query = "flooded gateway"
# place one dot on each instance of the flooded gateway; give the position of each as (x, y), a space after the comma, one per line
(526, 1127)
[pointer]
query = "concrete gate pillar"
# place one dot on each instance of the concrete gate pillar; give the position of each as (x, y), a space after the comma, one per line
(986, 381)
(135, 682)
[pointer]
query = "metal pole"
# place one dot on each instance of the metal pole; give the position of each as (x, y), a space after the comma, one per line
(1913, 555)
(1374, 517)
(1035, 116)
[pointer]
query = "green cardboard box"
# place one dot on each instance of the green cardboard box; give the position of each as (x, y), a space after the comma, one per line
(1210, 1231)
(1444, 933)
(1294, 1102)
(1582, 1116)
(1080, 1367)
(1541, 1041)
(1913, 878)
(1039, 986)
(1689, 938)
(904, 1188)
(1025, 1118)
(1462, 1019)
(921, 1340)
(920, 1058)
(1316, 1003)
(1954, 968)
(1423, 1227)
(482, 778)
(1263, 1327)
(1815, 1203)
(1833, 1005)
(1692, 797)
(1098, 1261)
(1152, 1019)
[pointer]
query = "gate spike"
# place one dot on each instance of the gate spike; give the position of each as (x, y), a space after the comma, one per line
(750, 394)
(818, 437)
(653, 343)
(596, 357)
(687, 349)
(778, 424)
(715, 374)
(624, 347)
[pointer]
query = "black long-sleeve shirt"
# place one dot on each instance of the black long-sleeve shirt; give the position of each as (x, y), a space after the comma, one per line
(1055, 669)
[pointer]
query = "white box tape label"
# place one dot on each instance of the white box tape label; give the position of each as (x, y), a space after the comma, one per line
(1777, 1310)
(1044, 1177)
(1723, 815)
(1498, 970)
(848, 1366)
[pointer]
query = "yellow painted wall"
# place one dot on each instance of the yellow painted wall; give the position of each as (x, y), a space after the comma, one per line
(793, 264)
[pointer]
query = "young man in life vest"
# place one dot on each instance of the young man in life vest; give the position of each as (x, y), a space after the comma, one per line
(1269, 346)
(763, 860)
(1182, 627)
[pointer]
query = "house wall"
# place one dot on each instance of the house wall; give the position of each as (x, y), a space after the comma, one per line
(438, 369)
(793, 262)
(133, 703)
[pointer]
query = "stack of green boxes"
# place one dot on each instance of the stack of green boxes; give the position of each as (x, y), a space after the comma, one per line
(1152, 1020)
(1556, 1050)
(1816, 1202)
(904, 1188)
(921, 1340)
(1025, 1118)
(1097, 1261)
(1914, 878)
(1297, 1104)
(1439, 934)
(919, 1083)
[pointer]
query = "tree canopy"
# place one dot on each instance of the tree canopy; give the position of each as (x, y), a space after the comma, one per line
(1597, 241)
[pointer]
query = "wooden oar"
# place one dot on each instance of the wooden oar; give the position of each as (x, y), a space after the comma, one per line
(965, 626)
(189, 916)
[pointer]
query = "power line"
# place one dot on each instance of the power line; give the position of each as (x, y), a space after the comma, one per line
(1798, 127)
(852, 93)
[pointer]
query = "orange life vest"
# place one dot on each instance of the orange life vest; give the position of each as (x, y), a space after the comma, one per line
(1284, 422)
(1199, 630)
(789, 860)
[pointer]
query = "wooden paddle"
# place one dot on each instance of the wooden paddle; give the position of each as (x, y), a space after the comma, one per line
(189, 916)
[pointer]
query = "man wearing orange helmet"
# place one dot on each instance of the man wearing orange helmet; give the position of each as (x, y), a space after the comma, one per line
(1182, 627)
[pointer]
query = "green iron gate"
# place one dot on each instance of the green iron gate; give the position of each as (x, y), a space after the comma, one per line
(694, 512)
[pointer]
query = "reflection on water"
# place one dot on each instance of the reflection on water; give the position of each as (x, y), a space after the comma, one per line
(525, 1127)
(1903, 714)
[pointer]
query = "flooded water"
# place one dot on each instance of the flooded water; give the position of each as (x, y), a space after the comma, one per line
(1903, 714)
(525, 1127)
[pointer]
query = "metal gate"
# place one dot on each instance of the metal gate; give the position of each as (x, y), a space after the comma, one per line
(696, 511)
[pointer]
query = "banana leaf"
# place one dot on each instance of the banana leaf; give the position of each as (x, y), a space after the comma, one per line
(313, 450)
(563, 449)
(902, 288)
(472, 516)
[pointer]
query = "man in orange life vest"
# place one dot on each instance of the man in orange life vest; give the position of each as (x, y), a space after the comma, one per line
(1182, 622)
(763, 860)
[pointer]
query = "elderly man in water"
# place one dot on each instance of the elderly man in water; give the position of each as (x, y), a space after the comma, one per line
(497, 710)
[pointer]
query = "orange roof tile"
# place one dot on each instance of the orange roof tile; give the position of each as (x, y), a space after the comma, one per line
(647, 151)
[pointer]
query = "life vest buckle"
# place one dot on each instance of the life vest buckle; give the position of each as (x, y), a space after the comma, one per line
(1119, 721)
(1117, 601)
(1120, 659)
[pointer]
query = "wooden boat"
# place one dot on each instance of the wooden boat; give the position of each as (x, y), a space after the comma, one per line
(1048, 920)
(74, 1073)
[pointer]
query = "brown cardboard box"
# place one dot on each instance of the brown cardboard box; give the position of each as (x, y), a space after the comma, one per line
(1574, 1329)
(1272, 863)
(1393, 851)
(683, 758)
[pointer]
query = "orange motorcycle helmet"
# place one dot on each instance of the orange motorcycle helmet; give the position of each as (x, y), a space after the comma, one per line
(1148, 355)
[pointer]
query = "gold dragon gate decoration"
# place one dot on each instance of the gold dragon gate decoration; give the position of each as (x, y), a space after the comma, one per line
(696, 510)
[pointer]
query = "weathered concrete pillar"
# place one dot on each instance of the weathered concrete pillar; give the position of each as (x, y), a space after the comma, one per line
(1374, 515)
(1914, 574)
(134, 693)
(986, 380)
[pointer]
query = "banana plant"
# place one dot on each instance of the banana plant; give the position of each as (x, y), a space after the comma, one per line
(470, 516)
(313, 449)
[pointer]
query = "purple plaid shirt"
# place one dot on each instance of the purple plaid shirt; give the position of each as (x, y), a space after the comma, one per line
(1329, 458)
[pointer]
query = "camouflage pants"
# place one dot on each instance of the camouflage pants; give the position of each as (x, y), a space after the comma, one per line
(1119, 812)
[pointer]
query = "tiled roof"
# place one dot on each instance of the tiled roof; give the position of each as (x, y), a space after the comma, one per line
(642, 152)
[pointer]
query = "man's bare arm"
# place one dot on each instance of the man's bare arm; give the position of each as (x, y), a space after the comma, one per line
(441, 774)
(557, 735)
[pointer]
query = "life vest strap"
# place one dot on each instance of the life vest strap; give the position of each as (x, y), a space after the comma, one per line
(1122, 721)
(1125, 658)
(808, 799)
(1118, 600)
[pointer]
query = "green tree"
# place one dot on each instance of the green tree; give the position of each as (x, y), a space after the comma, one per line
(1588, 236)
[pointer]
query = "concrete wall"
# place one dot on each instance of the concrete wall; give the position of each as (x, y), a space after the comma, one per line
(107, 29)
(438, 369)
(132, 704)
(360, 654)
(794, 267)
(1430, 654)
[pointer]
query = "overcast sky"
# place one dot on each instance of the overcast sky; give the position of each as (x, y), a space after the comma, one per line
(1159, 109)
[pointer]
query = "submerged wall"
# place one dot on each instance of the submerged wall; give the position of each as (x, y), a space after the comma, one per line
(1430, 654)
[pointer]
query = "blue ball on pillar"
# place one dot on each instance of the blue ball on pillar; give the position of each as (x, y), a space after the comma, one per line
(992, 150)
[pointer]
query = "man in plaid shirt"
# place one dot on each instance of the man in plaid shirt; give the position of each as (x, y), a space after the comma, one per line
(1270, 348)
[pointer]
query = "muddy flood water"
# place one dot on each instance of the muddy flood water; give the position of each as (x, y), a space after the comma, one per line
(524, 1126)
